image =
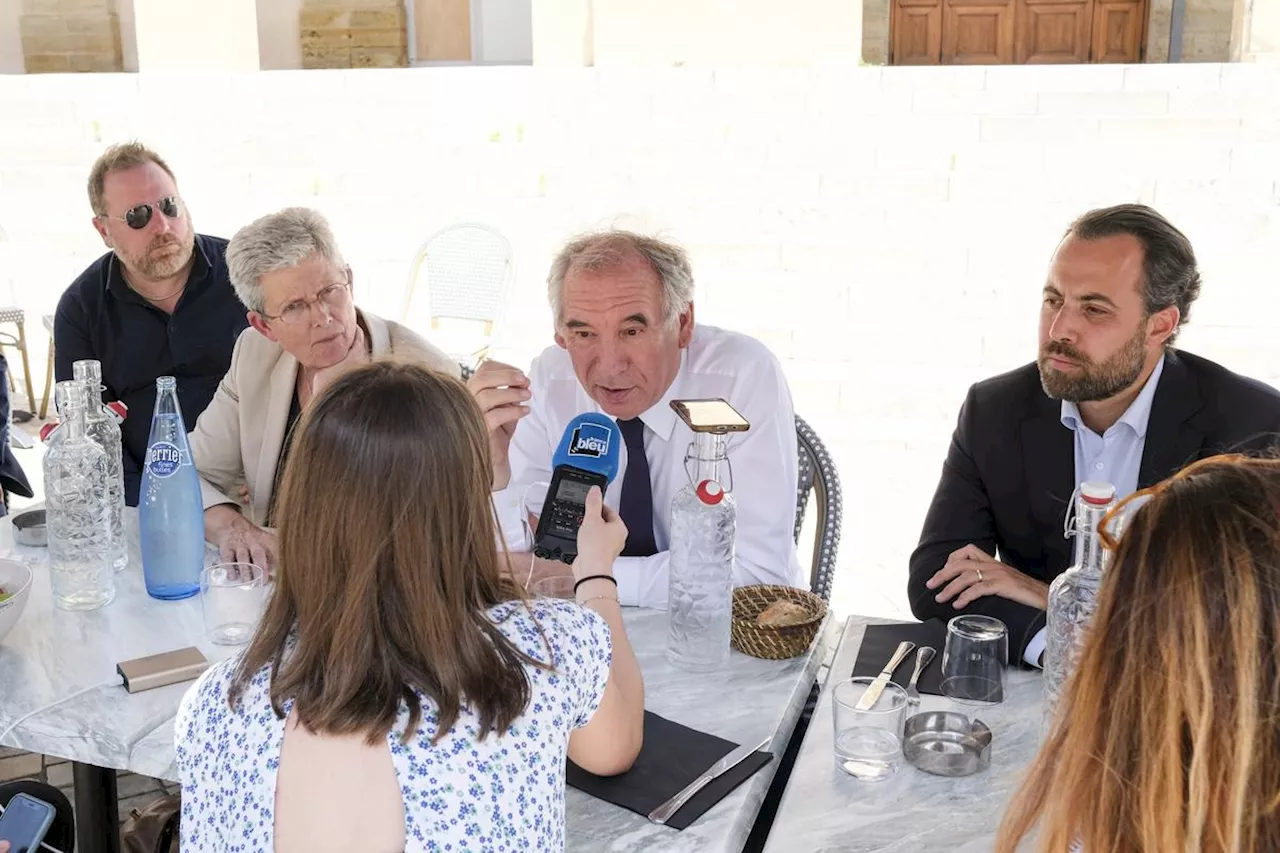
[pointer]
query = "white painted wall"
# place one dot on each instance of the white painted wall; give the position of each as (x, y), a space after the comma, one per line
(563, 33)
(190, 35)
(706, 33)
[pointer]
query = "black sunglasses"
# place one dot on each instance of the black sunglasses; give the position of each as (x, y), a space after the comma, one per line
(137, 217)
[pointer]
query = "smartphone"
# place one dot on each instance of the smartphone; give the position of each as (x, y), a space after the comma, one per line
(710, 415)
(25, 822)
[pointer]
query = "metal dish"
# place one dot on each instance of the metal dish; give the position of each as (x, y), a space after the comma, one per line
(29, 528)
(945, 743)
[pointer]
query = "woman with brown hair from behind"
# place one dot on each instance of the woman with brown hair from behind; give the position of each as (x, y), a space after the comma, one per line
(1167, 739)
(400, 693)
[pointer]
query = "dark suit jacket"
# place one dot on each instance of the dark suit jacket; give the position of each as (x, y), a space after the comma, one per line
(1009, 473)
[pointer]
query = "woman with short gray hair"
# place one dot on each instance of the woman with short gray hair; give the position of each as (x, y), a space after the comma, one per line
(288, 271)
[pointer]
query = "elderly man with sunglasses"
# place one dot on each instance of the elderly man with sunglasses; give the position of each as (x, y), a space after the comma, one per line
(158, 304)
(306, 330)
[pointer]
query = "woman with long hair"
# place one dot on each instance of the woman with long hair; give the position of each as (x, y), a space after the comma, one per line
(1167, 739)
(401, 693)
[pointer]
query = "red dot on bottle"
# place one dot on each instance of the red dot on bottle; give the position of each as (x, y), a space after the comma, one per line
(710, 492)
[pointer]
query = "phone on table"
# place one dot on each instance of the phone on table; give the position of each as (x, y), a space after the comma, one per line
(714, 415)
(24, 823)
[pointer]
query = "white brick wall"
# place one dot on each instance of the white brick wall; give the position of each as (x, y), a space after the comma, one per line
(884, 230)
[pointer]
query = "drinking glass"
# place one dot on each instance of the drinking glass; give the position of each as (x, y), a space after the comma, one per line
(973, 660)
(232, 596)
(554, 587)
(532, 498)
(868, 744)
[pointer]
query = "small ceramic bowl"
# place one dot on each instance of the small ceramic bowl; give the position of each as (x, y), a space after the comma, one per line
(15, 579)
(29, 528)
(945, 743)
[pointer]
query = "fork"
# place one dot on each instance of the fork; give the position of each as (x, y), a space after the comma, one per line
(923, 656)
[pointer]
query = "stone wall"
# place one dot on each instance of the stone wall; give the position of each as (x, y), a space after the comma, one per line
(885, 231)
(353, 34)
(70, 35)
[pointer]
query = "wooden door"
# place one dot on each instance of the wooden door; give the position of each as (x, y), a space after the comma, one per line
(442, 30)
(977, 32)
(916, 32)
(1119, 28)
(1053, 31)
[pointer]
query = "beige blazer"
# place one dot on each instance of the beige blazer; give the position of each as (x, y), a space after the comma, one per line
(238, 438)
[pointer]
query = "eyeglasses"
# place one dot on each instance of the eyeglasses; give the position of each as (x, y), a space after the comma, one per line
(138, 216)
(332, 298)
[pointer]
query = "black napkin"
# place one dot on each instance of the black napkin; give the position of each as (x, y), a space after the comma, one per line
(672, 756)
(881, 641)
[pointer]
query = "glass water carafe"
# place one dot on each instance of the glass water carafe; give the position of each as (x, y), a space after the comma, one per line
(704, 521)
(102, 427)
(77, 476)
(1073, 595)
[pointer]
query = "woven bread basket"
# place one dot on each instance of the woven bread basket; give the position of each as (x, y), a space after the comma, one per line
(768, 641)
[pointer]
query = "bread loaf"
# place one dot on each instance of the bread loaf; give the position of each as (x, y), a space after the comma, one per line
(782, 613)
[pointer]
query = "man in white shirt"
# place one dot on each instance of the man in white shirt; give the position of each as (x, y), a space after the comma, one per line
(626, 345)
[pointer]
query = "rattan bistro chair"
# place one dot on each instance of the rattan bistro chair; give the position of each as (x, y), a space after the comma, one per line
(818, 475)
(18, 340)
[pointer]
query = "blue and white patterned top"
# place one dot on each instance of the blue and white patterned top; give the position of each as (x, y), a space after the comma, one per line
(500, 794)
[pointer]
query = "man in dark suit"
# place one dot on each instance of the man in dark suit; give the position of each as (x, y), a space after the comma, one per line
(1108, 399)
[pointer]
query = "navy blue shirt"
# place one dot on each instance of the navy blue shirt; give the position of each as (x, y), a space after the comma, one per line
(100, 317)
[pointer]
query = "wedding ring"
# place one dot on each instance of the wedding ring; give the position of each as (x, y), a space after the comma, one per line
(979, 571)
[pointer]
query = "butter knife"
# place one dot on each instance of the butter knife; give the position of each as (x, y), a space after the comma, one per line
(868, 700)
(664, 812)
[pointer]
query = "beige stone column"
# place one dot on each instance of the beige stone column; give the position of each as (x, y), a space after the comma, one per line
(354, 34)
(196, 35)
(1255, 31)
(70, 35)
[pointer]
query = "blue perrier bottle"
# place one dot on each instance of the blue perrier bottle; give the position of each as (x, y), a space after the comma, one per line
(170, 510)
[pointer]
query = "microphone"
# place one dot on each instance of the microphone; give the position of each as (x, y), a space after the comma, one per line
(587, 456)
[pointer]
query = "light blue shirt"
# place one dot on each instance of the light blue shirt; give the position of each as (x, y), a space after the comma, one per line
(1114, 457)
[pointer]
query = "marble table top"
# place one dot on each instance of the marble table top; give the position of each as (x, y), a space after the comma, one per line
(52, 654)
(823, 810)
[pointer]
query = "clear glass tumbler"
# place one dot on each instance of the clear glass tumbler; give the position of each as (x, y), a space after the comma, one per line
(973, 660)
(868, 743)
(232, 596)
(555, 587)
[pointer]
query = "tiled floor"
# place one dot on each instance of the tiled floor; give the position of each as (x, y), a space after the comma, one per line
(134, 791)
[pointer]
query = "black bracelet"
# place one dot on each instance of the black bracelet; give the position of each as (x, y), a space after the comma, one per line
(608, 578)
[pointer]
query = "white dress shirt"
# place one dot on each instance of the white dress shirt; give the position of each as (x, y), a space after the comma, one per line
(717, 363)
(1114, 457)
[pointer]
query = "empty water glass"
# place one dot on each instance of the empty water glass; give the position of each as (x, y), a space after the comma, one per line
(868, 744)
(554, 587)
(532, 497)
(232, 596)
(973, 660)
